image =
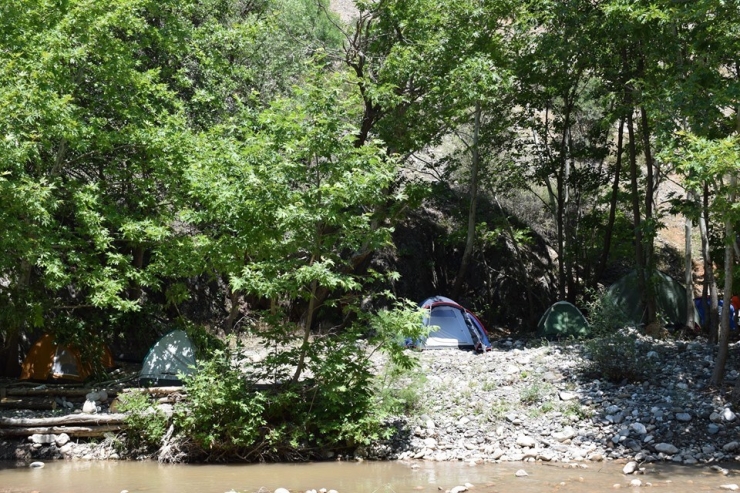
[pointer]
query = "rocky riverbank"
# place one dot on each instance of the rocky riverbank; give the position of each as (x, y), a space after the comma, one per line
(524, 402)
(519, 403)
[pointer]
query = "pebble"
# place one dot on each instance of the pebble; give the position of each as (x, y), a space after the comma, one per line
(281, 490)
(521, 473)
(36, 465)
(731, 487)
(630, 467)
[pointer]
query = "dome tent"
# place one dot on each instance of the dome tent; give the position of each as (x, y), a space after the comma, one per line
(49, 361)
(452, 326)
(563, 319)
(171, 356)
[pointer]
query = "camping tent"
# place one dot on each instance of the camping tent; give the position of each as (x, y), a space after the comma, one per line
(563, 319)
(170, 356)
(669, 293)
(452, 326)
(48, 360)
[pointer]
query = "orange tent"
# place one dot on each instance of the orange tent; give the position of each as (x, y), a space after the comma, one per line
(48, 360)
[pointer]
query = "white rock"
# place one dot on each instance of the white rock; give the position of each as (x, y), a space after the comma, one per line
(89, 407)
(666, 448)
(42, 438)
(567, 396)
(281, 490)
(566, 434)
(36, 465)
(526, 441)
(430, 443)
(635, 483)
(630, 467)
(497, 454)
(731, 487)
(728, 415)
(458, 489)
(61, 440)
(521, 473)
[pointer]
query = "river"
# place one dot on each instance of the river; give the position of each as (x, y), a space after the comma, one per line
(349, 477)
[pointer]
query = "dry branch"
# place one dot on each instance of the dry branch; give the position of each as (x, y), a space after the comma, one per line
(34, 403)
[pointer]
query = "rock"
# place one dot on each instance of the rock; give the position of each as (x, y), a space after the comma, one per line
(683, 417)
(281, 490)
(713, 429)
(61, 440)
(715, 418)
(728, 415)
(666, 448)
(521, 473)
(635, 483)
(430, 443)
(567, 396)
(89, 407)
(730, 447)
(526, 441)
(638, 428)
(42, 438)
(720, 470)
(458, 489)
(566, 434)
(36, 465)
(629, 468)
(731, 487)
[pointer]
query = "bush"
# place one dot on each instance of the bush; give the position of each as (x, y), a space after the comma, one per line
(145, 424)
(617, 357)
(604, 315)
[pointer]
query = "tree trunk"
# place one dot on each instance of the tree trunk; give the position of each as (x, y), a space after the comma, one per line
(636, 217)
(470, 239)
(612, 205)
(713, 312)
(689, 266)
(724, 331)
(649, 240)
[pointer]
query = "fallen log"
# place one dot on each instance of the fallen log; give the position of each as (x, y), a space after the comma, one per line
(156, 391)
(73, 431)
(52, 392)
(70, 419)
(35, 403)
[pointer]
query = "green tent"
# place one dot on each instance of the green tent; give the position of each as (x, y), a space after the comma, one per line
(670, 297)
(561, 320)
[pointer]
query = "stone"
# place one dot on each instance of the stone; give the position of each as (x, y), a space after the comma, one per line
(635, 483)
(629, 468)
(36, 465)
(715, 418)
(728, 415)
(61, 440)
(458, 489)
(566, 434)
(713, 429)
(521, 473)
(430, 443)
(666, 448)
(281, 490)
(45, 438)
(567, 396)
(526, 441)
(638, 428)
(683, 417)
(731, 487)
(730, 447)
(89, 407)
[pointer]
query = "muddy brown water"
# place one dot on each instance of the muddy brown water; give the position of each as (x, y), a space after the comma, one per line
(364, 477)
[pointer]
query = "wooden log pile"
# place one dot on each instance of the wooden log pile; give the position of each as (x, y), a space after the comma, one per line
(77, 425)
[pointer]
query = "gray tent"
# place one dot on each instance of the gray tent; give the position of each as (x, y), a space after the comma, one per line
(563, 319)
(170, 357)
(670, 297)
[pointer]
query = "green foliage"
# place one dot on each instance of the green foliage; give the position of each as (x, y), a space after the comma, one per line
(398, 391)
(145, 423)
(604, 315)
(617, 357)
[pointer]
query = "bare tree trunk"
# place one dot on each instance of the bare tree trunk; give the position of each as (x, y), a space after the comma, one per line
(470, 239)
(612, 205)
(636, 217)
(649, 240)
(724, 331)
(689, 266)
(709, 269)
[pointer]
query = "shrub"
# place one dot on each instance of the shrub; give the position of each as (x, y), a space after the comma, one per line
(145, 424)
(604, 315)
(617, 357)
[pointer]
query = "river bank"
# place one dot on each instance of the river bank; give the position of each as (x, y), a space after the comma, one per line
(523, 402)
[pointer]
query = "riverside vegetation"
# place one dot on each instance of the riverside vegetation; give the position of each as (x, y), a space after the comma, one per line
(265, 169)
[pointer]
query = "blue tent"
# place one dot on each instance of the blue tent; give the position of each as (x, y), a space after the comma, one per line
(452, 326)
